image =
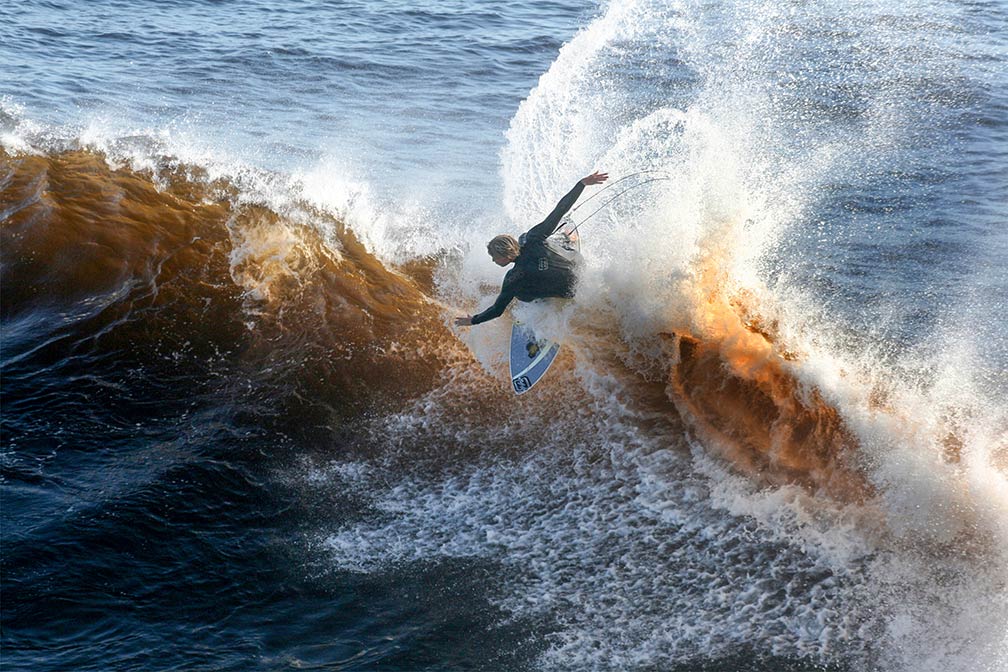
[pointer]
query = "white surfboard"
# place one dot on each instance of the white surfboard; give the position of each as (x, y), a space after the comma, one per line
(530, 358)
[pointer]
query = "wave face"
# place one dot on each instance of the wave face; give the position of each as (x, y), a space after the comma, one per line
(100, 258)
(240, 432)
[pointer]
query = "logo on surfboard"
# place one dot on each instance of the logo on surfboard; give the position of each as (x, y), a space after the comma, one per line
(521, 384)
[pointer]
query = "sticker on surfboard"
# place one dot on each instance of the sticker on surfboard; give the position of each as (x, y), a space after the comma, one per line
(530, 358)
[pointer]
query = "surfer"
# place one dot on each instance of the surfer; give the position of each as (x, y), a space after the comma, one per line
(541, 269)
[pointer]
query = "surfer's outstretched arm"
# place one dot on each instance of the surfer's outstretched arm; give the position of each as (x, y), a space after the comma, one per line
(496, 310)
(545, 228)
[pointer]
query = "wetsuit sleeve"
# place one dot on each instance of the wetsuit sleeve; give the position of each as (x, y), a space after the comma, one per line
(497, 309)
(545, 228)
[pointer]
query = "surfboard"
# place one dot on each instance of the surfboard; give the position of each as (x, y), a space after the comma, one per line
(530, 358)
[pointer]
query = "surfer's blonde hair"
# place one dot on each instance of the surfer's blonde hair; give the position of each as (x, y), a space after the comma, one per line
(503, 246)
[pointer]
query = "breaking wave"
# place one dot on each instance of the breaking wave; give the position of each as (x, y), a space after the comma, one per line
(718, 466)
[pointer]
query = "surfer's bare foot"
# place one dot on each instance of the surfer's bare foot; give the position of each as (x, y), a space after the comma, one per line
(463, 321)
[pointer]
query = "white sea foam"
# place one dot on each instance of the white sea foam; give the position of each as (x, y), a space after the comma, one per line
(621, 545)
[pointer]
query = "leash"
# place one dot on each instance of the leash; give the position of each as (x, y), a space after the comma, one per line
(663, 176)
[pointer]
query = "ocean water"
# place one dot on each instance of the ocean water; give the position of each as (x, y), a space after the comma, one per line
(239, 430)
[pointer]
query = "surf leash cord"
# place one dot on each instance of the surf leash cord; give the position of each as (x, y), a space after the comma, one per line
(662, 176)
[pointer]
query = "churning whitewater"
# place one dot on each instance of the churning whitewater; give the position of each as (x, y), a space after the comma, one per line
(241, 432)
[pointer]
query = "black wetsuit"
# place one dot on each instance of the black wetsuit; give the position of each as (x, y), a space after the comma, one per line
(542, 268)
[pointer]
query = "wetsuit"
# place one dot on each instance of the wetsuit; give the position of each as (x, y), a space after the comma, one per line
(542, 267)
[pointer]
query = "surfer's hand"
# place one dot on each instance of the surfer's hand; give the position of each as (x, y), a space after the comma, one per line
(463, 321)
(594, 178)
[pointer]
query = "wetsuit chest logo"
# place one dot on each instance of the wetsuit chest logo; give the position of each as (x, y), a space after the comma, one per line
(543, 263)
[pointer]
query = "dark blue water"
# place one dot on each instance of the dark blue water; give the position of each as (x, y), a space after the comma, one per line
(238, 431)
